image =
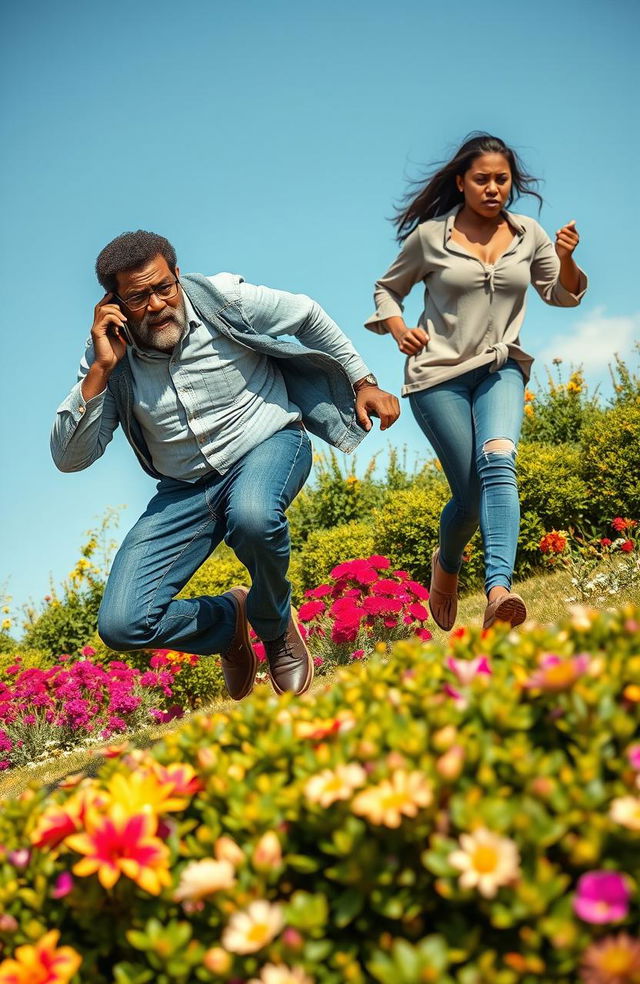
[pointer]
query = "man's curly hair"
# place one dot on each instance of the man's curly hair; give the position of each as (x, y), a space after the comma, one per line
(130, 251)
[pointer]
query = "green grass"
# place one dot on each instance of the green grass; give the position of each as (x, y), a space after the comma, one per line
(545, 597)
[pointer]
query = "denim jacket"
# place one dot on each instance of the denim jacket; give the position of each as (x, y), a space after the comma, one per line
(316, 382)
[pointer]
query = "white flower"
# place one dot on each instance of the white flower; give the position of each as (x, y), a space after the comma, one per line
(625, 810)
(331, 785)
(202, 878)
(279, 974)
(250, 930)
(486, 861)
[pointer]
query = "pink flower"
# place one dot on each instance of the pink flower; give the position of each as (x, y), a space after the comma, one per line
(633, 754)
(355, 570)
(88, 651)
(357, 654)
(418, 590)
(418, 611)
(387, 586)
(310, 610)
(320, 592)
(467, 669)
(423, 634)
(555, 674)
(381, 563)
(601, 897)
(63, 885)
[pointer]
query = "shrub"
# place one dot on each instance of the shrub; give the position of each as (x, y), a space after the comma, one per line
(66, 623)
(220, 572)
(326, 548)
(465, 813)
(550, 484)
(558, 414)
(406, 528)
(610, 461)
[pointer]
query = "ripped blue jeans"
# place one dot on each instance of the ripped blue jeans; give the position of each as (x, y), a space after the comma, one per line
(461, 419)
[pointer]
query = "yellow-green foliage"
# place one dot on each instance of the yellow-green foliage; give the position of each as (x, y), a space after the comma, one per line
(28, 659)
(326, 548)
(550, 484)
(359, 861)
(611, 461)
(406, 528)
(220, 572)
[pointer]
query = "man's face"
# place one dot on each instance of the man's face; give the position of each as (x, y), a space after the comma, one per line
(159, 324)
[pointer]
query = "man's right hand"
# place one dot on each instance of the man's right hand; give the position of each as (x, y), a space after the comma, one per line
(108, 339)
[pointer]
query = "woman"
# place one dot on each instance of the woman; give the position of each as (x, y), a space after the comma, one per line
(465, 372)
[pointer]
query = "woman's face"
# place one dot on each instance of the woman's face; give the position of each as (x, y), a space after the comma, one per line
(486, 185)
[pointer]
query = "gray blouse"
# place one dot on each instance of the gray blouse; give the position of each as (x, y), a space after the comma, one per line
(473, 311)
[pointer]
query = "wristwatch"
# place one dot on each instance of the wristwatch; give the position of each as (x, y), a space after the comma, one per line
(369, 380)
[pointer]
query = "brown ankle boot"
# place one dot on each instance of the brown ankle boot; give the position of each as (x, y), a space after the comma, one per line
(507, 608)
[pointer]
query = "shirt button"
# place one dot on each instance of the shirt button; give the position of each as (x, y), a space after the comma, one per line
(81, 410)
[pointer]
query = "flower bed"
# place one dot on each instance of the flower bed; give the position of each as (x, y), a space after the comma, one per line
(467, 814)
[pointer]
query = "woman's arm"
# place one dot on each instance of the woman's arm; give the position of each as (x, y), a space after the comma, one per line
(554, 273)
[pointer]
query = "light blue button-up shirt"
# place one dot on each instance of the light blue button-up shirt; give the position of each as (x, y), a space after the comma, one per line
(210, 401)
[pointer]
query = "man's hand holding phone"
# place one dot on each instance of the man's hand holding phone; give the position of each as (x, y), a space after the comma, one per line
(109, 344)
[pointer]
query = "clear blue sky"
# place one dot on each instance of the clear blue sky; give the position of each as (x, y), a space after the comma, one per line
(272, 139)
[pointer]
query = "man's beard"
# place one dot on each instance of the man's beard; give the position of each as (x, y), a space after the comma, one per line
(162, 339)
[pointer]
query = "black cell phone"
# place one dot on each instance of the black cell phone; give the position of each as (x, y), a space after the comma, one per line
(123, 329)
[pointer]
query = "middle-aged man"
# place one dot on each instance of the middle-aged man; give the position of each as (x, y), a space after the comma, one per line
(216, 406)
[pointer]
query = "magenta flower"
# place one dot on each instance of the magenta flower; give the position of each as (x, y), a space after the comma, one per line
(633, 754)
(381, 563)
(63, 885)
(311, 610)
(601, 897)
(467, 669)
(320, 592)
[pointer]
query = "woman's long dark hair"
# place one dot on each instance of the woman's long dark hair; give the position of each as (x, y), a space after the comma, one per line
(441, 193)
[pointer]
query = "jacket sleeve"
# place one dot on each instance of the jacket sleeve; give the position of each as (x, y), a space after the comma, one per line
(82, 428)
(545, 271)
(277, 312)
(408, 268)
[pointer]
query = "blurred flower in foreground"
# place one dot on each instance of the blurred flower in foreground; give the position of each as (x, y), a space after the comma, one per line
(279, 974)
(486, 860)
(601, 897)
(41, 963)
(625, 810)
(613, 960)
(555, 674)
(388, 802)
(201, 878)
(254, 927)
(331, 785)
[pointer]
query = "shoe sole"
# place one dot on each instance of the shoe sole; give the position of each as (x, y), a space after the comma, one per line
(310, 666)
(240, 595)
(511, 610)
(448, 627)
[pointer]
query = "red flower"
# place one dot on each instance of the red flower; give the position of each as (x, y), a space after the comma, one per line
(627, 546)
(418, 590)
(387, 586)
(311, 610)
(418, 611)
(619, 524)
(356, 570)
(605, 541)
(320, 592)
(381, 563)
(553, 543)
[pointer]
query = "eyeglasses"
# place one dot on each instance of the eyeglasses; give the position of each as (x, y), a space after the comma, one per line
(135, 302)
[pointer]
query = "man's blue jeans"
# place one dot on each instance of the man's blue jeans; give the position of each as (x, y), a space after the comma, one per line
(460, 417)
(181, 526)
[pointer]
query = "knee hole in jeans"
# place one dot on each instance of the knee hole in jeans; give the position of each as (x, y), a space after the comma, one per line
(499, 445)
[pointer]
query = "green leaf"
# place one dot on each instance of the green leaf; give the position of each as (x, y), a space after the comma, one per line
(347, 907)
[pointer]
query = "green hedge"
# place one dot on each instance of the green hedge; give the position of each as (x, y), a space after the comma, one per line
(329, 833)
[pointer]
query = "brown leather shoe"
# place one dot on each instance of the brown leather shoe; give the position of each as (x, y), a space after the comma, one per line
(239, 661)
(443, 605)
(290, 663)
(507, 608)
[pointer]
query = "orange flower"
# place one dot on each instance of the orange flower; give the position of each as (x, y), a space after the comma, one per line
(554, 542)
(42, 963)
(121, 844)
(388, 802)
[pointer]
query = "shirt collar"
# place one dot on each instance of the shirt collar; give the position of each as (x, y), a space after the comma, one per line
(450, 219)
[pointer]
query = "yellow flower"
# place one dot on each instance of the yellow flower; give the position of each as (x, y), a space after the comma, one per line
(217, 960)
(386, 803)
(251, 929)
(201, 878)
(6, 624)
(142, 792)
(529, 410)
(331, 785)
(486, 861)
(41, 963)
(279, 974)
(626, 811)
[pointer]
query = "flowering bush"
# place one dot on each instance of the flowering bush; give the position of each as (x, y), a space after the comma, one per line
(363, 605)
(598, 566)
(465, 813)
(79, 702)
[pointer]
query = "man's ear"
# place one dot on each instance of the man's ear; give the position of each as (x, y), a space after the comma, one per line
(178, 272)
